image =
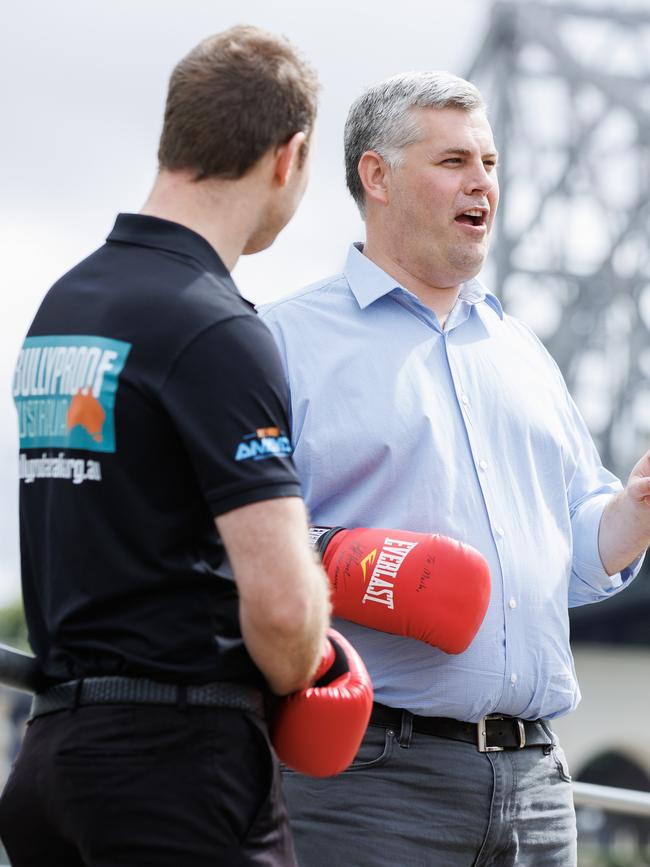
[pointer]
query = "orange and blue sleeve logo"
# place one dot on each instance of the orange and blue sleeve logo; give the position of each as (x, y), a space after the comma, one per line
(265, 442)
(65, 388)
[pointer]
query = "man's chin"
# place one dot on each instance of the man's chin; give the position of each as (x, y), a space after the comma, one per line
(468, 262)
(265, 235)
(258, 243)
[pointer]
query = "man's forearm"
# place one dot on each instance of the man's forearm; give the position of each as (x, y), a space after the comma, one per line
(286, 641)
(283, 592)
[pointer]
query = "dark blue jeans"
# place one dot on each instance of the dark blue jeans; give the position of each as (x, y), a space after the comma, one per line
(136, 785)
(434, 802)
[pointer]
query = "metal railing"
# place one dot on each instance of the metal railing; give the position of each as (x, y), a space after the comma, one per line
(613, 800)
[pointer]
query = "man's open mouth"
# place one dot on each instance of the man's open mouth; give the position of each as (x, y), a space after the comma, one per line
(473, 217)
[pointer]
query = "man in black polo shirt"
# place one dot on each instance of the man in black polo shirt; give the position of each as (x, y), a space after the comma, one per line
(154, 439)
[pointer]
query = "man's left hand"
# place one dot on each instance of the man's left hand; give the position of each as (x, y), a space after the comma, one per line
(625, 524)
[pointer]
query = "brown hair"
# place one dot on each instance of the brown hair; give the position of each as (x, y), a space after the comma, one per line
(231, 99)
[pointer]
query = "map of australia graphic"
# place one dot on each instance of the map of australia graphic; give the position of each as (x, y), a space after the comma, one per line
(87, 412)
(65, 387)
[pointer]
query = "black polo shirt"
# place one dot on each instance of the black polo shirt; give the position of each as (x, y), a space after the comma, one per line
(150, 399)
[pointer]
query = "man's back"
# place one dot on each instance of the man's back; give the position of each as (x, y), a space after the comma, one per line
(129, 438)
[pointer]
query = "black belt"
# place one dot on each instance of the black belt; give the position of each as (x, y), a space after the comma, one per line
(140, 690)
(492, 733)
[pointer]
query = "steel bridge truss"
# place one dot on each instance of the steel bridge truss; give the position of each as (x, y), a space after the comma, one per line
(568, 92)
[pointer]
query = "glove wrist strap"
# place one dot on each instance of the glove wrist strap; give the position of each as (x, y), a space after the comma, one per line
(320, 537)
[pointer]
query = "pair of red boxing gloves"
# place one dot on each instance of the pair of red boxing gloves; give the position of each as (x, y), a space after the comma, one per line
(421, 586)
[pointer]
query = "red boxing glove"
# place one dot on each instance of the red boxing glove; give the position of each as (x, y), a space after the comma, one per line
(418, 585)
(318, 730)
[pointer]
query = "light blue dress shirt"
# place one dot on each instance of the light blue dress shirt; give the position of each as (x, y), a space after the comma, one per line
(467, 431)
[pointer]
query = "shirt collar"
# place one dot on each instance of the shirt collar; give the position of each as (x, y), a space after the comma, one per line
(368, 283)
(145, 231)
(473, 292)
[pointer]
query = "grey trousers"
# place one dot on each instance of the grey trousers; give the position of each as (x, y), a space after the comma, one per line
(433, 802)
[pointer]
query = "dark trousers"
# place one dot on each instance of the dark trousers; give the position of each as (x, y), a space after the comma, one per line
(136, 785)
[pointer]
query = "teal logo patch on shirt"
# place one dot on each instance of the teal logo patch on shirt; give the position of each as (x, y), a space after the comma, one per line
(65, 388)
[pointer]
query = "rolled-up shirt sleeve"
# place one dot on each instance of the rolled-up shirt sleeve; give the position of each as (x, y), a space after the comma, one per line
(589, 580)
(591, 488)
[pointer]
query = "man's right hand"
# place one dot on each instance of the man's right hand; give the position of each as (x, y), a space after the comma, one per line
(318, 730)
(419, 585)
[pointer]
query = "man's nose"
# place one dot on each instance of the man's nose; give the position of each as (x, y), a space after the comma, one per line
(479, 179)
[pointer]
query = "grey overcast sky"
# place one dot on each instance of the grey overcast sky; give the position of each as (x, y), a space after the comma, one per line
(83, 89)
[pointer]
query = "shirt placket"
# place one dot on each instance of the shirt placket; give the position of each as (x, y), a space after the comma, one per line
(483, 465)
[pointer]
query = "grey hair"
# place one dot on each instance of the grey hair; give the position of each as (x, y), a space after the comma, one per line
(382, 119)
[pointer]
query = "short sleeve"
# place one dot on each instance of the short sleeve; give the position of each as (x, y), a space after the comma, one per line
(227, 397)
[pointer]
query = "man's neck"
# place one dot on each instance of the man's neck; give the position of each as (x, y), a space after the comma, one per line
(439, 299)
(220, 211)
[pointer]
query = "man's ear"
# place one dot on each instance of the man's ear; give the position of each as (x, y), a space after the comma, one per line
(289, 158)
(374, 176)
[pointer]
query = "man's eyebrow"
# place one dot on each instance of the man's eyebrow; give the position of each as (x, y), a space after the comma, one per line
(465, 152)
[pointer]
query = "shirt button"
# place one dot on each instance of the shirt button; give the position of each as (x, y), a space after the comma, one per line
(513, 678)
(512, 602)
(483, 464)
(499, 531)
(464, 399)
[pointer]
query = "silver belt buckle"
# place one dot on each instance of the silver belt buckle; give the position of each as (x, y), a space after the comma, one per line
(481, 733)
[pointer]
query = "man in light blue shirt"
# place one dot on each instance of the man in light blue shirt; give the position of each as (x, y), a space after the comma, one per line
(418, 404)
